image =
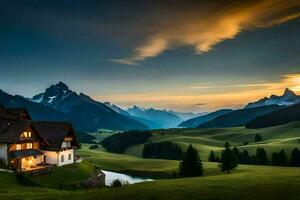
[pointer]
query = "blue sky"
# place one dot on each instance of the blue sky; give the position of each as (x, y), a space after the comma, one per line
(186, 56)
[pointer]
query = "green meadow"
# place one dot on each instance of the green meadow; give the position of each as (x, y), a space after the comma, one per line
(285, 137)
(246, 182)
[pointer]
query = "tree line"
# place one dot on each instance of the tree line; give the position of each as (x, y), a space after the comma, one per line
(117, 143)
(162, 150)
(260, 158)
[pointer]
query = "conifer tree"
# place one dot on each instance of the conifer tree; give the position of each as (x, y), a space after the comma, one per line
(295, 158)
(228, 159)
(261, 157)
(191, 164)
(245, 157)
(258, 138)
(212, 157)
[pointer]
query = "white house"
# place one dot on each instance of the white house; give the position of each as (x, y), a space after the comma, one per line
(26, 145)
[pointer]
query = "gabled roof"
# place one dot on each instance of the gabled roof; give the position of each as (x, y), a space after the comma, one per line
(54, 133)
(17, 113)
(14, 113)
(10, 130)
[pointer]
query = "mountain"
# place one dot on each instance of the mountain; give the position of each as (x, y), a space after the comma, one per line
(162, 118)
(117, 109)
(288, 98)
(239, 117)
(85, 113)
(37, 111)
(194, 122)
(186, 115)
(279, 117)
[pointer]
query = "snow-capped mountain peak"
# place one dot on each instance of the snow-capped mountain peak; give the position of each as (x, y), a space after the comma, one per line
(288, 98)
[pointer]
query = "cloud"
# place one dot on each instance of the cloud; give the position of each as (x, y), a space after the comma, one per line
(203, 24)
(230, 96)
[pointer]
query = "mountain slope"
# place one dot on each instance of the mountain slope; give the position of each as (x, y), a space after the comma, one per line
(239, 117)
(288, 98)
(194, 122)
(37, 111)
(162, 118)
(279, 117)
(85, 113)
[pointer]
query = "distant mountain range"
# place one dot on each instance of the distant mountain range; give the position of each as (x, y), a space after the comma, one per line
(279, 117)
(59, 103)
(256, 114)
(239, 117)
(288, 98)
(155, 118)
(194, 122)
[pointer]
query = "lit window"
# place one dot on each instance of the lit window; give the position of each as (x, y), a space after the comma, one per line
(69, 156)
(18, 147)
(26, 135)
(29, 145)
(62, 158)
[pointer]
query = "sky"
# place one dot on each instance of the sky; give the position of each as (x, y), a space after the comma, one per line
(185, 55)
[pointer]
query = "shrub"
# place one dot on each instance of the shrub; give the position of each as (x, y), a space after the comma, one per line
(162, 150)
(257, 138)
(116, 183)
(94, 146)
(117, 143)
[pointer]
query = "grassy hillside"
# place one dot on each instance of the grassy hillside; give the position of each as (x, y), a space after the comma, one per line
(284, 137)
(245, 183)
(67, 175)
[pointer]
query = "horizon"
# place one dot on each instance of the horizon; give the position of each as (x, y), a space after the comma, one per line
(198, 62)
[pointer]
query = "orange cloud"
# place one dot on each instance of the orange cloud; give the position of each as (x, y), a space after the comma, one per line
(204, 26)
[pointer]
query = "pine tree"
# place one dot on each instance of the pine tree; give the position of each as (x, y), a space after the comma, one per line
(245, 157)
(237, 154)
(212, 157)
(282, 158)
(228, 160)
(261, 157)
(191, 164)
(295, 158)
(258, 138)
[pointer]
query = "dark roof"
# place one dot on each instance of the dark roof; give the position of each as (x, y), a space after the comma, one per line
(25, 153)
(2, 110)
(54, 133)
(10, 130)
(16, 113)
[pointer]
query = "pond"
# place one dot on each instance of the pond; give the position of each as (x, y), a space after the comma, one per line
(111, 176)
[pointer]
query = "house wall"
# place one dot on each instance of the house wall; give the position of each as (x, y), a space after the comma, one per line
(31, 161)
(35, 145)
(51, 157)
(3, 152)
(66, 157)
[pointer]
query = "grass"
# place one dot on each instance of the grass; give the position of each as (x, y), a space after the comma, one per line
(246, 182)
(285, 137)
(66, 175)
(249, 182)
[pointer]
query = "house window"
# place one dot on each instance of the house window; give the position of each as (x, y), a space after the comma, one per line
(69, 156)
(62, 158)
(18, 147)
(44, 159)
(26, 134)
(29, 145)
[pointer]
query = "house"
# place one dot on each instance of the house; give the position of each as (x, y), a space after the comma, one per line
(26, 145)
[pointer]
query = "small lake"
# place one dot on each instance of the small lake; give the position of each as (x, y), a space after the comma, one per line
(111, 176)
